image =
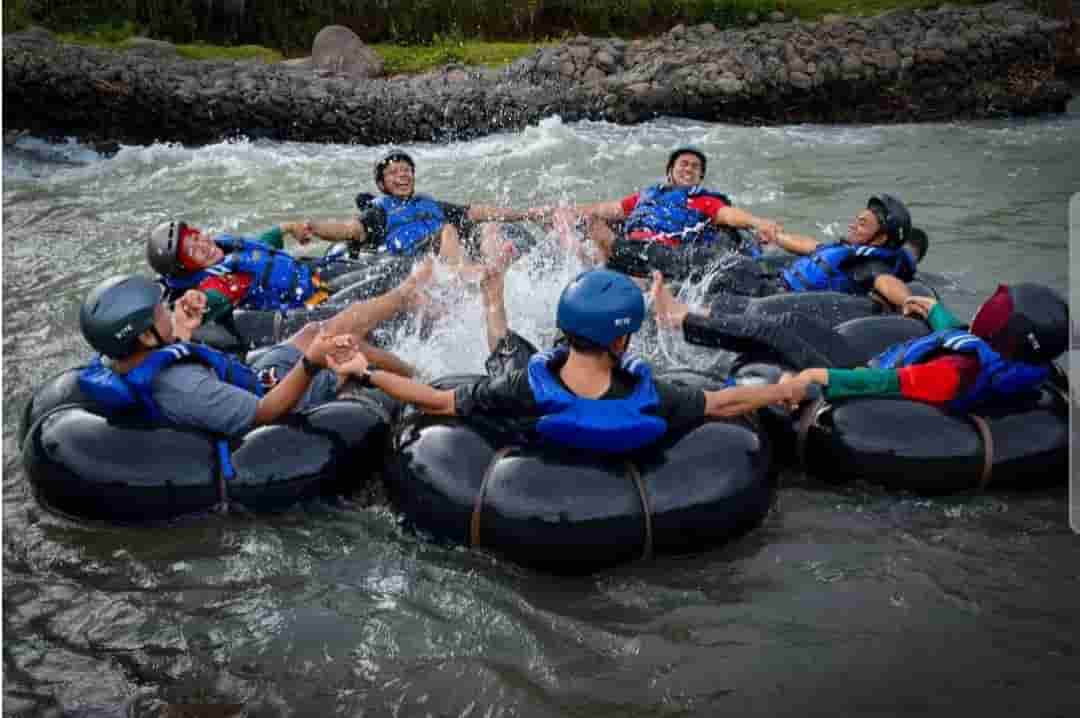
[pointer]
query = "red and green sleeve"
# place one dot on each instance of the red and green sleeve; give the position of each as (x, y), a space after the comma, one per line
(935, 381)
(224, 293)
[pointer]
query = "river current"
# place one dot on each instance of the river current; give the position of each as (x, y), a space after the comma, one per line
(847, 601)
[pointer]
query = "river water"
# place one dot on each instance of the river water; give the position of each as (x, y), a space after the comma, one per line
(848, 601)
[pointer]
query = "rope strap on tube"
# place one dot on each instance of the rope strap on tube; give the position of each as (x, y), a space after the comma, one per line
(478, 505)
(806, 420)
(646, 510)
(988, 449)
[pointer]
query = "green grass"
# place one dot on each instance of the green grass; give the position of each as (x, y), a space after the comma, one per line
(408, 59)
(400, 59)
(814, 9)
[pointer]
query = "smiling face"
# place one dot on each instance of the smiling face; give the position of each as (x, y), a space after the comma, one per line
(198, 251)
(687, 170)
(399, 179)
(865, 229)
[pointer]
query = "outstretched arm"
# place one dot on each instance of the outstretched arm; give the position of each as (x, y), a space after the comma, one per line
(737, 400)
(334, 231)
(426, 398)
(735, 217)
(487, 213)
(892, 290)
(796, 243)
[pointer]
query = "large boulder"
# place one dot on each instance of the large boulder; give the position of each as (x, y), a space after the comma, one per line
(339, 49)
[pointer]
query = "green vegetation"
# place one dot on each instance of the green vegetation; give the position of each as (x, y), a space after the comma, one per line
(414, 36)
(413, 59)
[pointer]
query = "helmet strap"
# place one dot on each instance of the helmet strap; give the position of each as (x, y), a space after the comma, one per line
(157, 335)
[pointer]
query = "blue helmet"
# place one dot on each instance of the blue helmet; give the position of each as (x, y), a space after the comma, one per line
(600, 305)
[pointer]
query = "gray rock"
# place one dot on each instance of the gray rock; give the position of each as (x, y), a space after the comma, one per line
(339, 49)
(729, 86)
(580, 52)
(151, 48)
(605, 60)
(594, 74)
(776, 16)
(800, 80)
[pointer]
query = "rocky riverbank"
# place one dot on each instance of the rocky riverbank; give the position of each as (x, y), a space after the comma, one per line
(902, 66)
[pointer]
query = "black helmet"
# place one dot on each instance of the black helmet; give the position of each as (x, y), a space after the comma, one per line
(675, 154)
(163, 247)
(391, 156)
(893, 217)
(1025, 322)
(117, 311)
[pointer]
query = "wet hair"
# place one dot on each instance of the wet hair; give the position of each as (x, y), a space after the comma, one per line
(585, 346)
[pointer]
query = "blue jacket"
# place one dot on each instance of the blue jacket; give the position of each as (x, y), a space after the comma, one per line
(665, 209)
(999, 379)
(134, 391)
(280, 281)
(409, 222)
(828, 267)
(603, 425)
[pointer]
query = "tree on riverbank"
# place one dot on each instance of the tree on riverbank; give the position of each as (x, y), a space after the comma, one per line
(290, 25)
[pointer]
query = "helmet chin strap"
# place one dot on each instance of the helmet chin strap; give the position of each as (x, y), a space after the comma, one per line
(157, 335)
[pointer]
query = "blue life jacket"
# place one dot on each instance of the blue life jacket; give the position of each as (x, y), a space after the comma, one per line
(280, 281)
(828, 267)
(134, 391)
(999, 379)
(665, 209)
(409, 222)
(603, 425)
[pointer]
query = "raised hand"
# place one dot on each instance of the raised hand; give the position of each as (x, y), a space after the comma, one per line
(670, 312)
(188, 313)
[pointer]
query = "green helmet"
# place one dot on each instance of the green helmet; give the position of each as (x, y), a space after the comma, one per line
(117, 311)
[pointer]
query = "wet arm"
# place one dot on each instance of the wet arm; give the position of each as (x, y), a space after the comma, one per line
(612, 210)
(796, 243)
(737, 400)
(427, 398)
(283, 397)
(891, 289)
(486, 213)
(338, 231)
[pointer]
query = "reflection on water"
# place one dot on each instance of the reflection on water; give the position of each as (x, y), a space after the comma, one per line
(848, 600)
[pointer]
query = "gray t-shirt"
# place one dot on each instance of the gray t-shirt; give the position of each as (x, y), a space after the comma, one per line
(190, 394)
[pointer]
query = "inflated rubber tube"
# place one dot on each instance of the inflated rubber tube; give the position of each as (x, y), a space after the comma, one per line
(832, 308)
(374, 274)
(909, 445)
(865, 338)
(567, 513)
(87, 466)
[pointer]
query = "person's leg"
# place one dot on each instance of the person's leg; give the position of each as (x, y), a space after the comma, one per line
(799, 341)
(359, 318)
(599, 232)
